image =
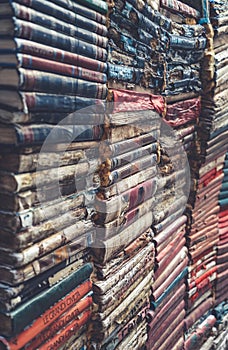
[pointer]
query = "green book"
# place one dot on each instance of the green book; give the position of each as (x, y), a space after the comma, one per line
(15, 321)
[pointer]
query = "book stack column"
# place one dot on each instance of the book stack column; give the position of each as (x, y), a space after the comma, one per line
(123, 250)
(136, 53)
(50, 68)
(204, 209)
(217, 124)
(185, 46)
(222, 249)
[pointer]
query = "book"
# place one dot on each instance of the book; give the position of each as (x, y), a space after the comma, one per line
(49, 316)
(85, 29)
(108, 177)
(46, 267)
(41, 64)
(18, 221)
(11, 182)
(15, 321)
(38, 133)
(10, 47)
(40, 81)
(105, 250)
(35, 32)
(31, 11)
(33, 234)
(41, 248)
(108, 210)
(59, 9)
(21, 163)
(50, 278)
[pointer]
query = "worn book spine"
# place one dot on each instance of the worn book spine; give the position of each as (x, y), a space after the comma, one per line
(14, 322)
(37, 133)
(34, 80)
(35, 32)
(74, 313)
(48, 317)
(20, 182)
(84, 29)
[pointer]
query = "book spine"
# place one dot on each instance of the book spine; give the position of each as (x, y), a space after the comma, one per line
(64, 10)
(63, 321)
(35, 32)
(38, 102)
(49, 316)
(83, 28)
(51, 53)
(33, 308)
(57, 12)
(30, 80)
(37, 133)
(97, 5)
(67, 332)
(30, 62)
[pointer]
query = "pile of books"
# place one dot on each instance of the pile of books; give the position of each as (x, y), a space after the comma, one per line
(222, 249)
(123, 250)
(136, 46)
(204, 235)
(52, 58)
(185, 46)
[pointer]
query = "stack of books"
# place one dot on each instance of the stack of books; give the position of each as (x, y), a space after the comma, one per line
(222, 249)
(123, 250)
(204, 235)
(185, 47)
(137, 46)
(52, 58)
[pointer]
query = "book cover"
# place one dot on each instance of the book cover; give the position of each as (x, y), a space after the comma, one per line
(44, 65)
(15, 321)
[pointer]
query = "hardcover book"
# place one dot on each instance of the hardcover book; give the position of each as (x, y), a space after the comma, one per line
(40, 81)
(37, 133)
